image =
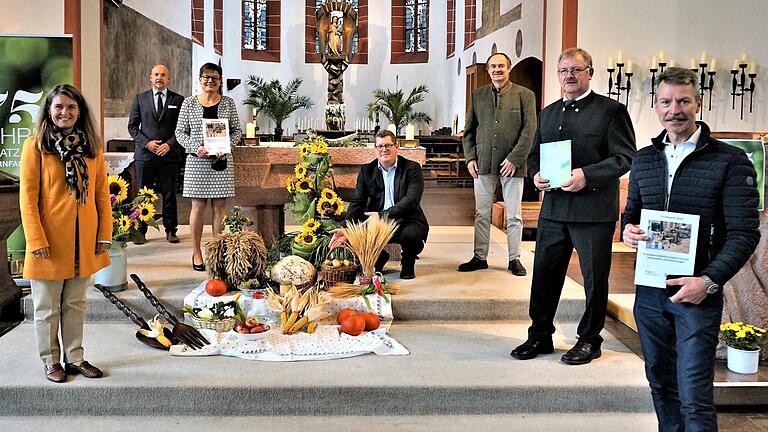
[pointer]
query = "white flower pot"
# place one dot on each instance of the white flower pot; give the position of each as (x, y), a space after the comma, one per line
(743, 362)
(115, 276)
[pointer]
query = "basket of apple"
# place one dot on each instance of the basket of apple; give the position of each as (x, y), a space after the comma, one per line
(250, 329)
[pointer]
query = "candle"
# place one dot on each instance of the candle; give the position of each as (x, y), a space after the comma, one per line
(713, 65)
(409, 131)
(392, 128)
(671, 63)
(610, 62)
(661, 56)
(250, 130)
(254, 112)
(743, 57)
(703, 57)
(620, 58)
(629, 66)
(693, 63)
(654, 65)
(735, 65)
(753, 68)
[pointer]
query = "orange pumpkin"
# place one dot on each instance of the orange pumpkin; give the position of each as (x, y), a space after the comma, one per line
(372, 321)
(216, 287)
(344, 313)
(353, 325)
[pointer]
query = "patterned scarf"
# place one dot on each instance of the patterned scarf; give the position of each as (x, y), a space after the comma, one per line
(71, 149)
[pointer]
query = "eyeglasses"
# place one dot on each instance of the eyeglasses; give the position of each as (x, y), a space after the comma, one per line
(383, 146)
(574, 71)
(209, 78)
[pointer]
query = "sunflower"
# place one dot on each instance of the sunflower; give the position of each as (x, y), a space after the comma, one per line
(124, 223)
(338, 207)
(289, 184)
(148, 193)
(306, 237)
(321, 147)
(324, 206)
(311, 225)
(303, 185)
(304, 149)
(328, 194)
(300, 170)
(146, 211)
(118, 187)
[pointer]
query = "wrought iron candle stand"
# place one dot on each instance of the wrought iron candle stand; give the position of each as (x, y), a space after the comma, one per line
(705, 85)
(618, 85)
(653, 70)
(739, 87)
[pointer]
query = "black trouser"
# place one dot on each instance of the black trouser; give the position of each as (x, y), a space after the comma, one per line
(158, 172)
(410, 237)
(555, 242)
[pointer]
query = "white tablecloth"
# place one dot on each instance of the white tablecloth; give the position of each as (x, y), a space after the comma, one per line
(117, 162)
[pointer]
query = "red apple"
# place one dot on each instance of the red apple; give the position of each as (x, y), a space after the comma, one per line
(238, 327)
(257, 329)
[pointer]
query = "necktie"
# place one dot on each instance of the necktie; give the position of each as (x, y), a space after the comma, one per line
(159, 103)
(568, 102)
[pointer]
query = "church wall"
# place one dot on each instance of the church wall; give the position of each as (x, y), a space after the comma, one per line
(46, 18)
(683, 29)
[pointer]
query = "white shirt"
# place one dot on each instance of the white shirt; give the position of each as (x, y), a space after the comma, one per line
(675, 155)
(389, 185)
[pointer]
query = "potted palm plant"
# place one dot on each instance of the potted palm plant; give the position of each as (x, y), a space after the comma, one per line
(275, 100)
(398, 108)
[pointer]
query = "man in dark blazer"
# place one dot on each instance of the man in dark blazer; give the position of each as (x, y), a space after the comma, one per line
(157, 154)
(391, 186)
(501, 121)
(582, 212)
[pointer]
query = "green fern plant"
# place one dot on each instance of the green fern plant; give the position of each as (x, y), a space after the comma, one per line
(276, 101)
(398, 108)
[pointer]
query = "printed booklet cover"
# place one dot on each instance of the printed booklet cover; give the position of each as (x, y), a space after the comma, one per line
(216, 136)
(670, 248)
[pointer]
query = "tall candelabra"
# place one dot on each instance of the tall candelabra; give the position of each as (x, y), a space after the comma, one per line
(705, 85)
(739, 87)
(655, 68)
(618, 83)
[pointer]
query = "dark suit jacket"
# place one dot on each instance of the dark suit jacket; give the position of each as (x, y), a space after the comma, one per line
(494, 132)
(145, 125)
(602, 145)
(409, 187)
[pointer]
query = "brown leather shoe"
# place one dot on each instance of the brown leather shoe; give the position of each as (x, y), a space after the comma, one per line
(55, 373)
(86, 369)
(171, 237)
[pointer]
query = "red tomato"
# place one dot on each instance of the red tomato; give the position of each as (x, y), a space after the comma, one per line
(372, 321)
(216, 287)
(344, 313)
(353, 325)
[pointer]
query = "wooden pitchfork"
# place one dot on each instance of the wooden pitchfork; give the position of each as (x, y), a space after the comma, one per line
(181, 332)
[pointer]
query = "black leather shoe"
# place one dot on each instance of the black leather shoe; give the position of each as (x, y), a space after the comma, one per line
(197, 267)
(172, 237)
(474, 264)
(381, 261)
(531, 348)
(516, 267)
(581, 353)
(407, 270)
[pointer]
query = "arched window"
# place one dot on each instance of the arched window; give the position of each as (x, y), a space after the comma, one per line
(470, 22)
(198, 22)
(218, 26)
(359, 41)
(261, 30)
(450, 22)
(410, 31)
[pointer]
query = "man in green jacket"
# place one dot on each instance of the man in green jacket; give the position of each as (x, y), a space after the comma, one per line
(498, 135)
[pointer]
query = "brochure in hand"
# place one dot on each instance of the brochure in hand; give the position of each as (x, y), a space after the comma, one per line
(216, 136)
(555, 162)
(670, 248)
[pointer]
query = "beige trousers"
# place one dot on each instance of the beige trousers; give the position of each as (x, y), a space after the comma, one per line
(59, 306)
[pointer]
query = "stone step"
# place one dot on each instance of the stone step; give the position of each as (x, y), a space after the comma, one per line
(453, 369)
(598, 422)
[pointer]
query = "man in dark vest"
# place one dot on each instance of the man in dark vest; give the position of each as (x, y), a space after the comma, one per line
(157, 155)
(582, 212)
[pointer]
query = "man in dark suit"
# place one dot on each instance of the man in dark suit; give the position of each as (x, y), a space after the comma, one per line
(498, 135)
(157, 154)
(582, 212)
(391, 186)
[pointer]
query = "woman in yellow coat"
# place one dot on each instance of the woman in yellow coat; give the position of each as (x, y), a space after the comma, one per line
(67, 219)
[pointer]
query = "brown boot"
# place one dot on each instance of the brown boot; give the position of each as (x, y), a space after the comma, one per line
(84, 368)
(55, 373)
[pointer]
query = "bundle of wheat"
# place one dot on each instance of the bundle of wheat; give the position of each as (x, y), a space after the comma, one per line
(345, 290)
(367, 240)
(235, 257)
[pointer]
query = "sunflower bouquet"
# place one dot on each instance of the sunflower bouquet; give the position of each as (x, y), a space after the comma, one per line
(126, 215)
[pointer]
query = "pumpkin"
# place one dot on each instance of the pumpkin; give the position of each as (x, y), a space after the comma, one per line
(372, 321)
(295, 269)
(216, 287)
(353, 325)
(344, 314)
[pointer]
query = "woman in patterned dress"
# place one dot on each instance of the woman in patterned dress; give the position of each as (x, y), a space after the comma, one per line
(201, 181)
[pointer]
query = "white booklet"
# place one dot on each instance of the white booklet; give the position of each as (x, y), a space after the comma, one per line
(670, 249)
(216, 136)
(555, 162)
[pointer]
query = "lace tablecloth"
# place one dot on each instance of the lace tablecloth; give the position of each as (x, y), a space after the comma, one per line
(117, 162)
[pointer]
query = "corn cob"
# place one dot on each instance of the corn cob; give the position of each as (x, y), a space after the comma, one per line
(291, 321)
(298, 325)
(311, 327)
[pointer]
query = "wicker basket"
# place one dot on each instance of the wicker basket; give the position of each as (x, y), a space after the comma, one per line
(220, 326)
(334, 275)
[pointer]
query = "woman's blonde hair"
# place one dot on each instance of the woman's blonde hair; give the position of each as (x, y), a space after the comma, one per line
(85, 121)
